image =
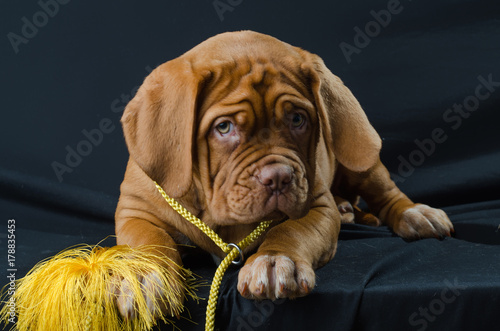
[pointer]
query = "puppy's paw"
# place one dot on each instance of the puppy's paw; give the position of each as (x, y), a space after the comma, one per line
(275, 276)
(346, 210)
(350, 213)
(361, 217)
(147, 291)
(422, 221)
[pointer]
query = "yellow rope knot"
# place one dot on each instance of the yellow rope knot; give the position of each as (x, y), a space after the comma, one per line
(232, 250)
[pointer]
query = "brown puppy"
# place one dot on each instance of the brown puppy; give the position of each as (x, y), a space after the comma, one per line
(245, 128)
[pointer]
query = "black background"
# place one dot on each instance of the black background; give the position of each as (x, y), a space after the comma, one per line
(87, 59)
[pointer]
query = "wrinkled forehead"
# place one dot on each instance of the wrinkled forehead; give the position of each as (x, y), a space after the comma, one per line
(260, 83)
(260, 91)
(248, 70)
(245, 61)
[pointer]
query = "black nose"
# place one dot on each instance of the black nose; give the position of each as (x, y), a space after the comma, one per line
(276, 176)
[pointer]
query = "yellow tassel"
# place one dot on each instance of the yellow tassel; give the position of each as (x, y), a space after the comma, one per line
(74, 290)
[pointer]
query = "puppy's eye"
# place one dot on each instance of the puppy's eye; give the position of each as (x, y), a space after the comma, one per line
(297, 120)
(224, 127)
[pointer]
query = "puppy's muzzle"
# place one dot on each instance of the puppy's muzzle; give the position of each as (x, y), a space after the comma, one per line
(276, 177)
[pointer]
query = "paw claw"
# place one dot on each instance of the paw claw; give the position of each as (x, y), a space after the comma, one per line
(304, 287)
(244, 290)
(261, 289)
(282, 288)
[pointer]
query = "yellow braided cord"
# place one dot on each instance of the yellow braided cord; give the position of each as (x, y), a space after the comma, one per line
(231, 253)
(194, 220)
(214, 289)
(219, 273)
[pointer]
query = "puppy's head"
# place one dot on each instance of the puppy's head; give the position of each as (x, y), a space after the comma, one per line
(237, 121)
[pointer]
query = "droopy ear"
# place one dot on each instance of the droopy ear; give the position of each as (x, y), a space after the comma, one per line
(159, 125)
(346, 129)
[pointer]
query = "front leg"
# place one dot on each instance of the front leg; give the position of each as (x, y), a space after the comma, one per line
(283, 266)
(160, 301)
(407, 219)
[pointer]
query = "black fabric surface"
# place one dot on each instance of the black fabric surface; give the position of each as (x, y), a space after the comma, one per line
(428, 77)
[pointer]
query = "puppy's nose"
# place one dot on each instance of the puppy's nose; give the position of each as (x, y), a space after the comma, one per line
(276, 176)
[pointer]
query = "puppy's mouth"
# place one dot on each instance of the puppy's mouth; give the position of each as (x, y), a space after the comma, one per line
(261, 202)
(279, 205)
(273, 188)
